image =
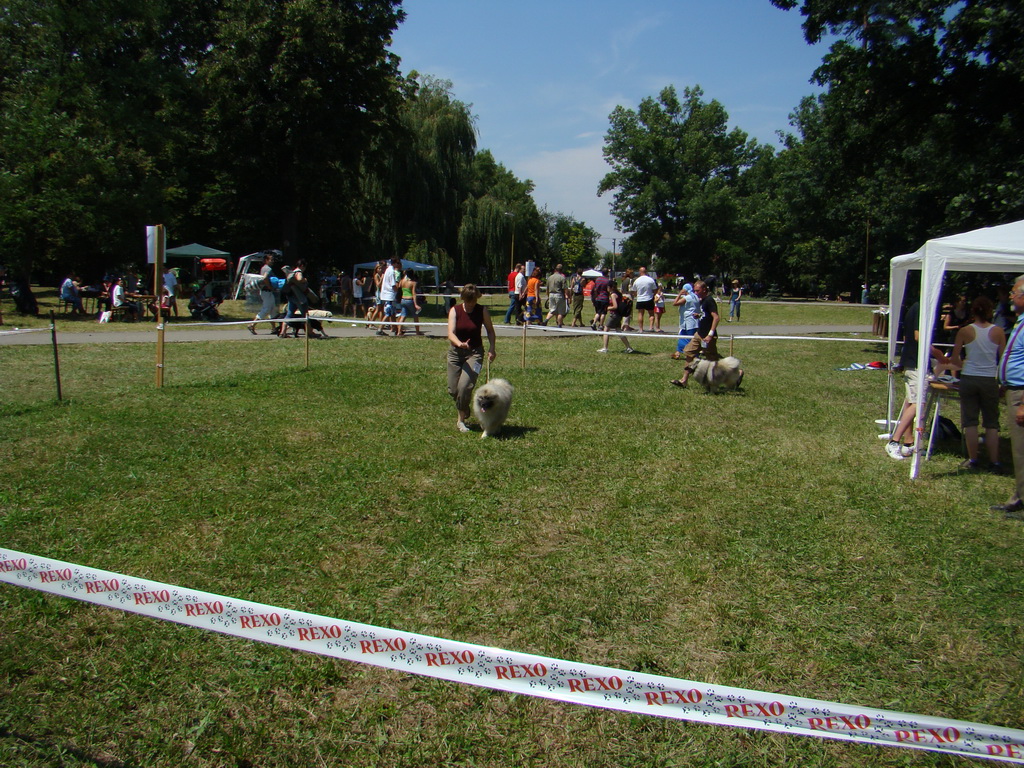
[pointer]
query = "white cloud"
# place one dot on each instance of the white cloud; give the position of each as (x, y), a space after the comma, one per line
(623, 39)
(566, 181)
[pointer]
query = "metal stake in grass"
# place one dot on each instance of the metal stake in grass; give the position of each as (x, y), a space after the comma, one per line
(56, 357)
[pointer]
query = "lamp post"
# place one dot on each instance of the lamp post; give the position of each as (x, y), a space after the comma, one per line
(615, 242)
(512, 253)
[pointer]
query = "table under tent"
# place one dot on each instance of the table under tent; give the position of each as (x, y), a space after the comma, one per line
(990, 249)
(207, 262)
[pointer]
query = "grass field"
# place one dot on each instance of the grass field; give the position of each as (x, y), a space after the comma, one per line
(761, 540)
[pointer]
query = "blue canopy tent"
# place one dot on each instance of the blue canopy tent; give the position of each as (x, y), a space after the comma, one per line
(406, 264)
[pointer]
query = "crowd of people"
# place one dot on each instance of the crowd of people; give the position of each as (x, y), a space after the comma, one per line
(129, 296)
(389, 298)
(293, 291)
(614, 303)
(987, 337)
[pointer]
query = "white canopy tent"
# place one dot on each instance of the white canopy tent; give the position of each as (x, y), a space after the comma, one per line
(248, 272)
(991, 249)
(406, 264)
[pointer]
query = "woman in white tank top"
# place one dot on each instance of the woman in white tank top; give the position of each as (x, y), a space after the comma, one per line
(983, 344)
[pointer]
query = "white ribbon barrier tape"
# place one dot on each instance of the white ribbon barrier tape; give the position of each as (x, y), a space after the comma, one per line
(674, 336)
(26, 330)
(536, 327)
(510, 671)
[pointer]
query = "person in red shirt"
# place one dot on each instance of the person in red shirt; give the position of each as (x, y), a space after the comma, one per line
(513, 294)
(599, 296)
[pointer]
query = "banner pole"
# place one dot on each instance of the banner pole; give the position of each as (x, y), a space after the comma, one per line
(525, 326)
(158, 276)
(307, 340)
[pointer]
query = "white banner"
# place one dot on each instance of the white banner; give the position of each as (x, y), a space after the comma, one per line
(503, 670)
(151, 244)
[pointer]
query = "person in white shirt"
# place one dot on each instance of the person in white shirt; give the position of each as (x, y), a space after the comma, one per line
(117, 299)
(268, 299)
(644, 287)
(521, 290)
(388, 294)
(171, 284)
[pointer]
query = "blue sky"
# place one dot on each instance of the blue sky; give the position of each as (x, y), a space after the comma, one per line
(542, 77)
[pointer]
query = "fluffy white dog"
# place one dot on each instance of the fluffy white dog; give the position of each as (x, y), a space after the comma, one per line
(718, 376)
(490, 405)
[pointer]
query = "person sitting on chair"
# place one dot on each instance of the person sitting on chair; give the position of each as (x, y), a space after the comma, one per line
(69, 293)
(117, 299)
(203, 308)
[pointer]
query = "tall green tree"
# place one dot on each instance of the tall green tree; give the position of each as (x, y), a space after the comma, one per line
(425, 174)
(675, 165)
(500, 222)
(92, 109)
(569, 242)
(298, 91)
(919, 132)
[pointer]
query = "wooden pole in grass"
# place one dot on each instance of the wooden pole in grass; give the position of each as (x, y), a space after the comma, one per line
(732, 340)
(56, 357)
(525, 326)
(307, 340)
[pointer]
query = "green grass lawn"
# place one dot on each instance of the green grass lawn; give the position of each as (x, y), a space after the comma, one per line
(760, 540)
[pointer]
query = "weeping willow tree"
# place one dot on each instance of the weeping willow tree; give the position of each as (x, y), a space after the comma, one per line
(500, 208)
(420, 251)
(415, 191)
(486, 237)
(432, 197)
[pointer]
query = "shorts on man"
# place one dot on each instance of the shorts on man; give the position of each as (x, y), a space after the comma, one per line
(911, 382)
(557, 305)
(694, 348)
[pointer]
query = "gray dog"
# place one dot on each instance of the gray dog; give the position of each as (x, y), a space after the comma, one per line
(718, 376)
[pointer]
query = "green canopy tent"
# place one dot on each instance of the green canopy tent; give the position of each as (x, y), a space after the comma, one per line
(200, 254)
(196, 250)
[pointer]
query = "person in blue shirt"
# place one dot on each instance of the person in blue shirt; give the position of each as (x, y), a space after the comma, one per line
(1011, 379)
(69, 293)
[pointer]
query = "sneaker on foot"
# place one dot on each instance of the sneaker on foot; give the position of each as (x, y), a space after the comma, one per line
(630, 350)
(603, 349)
(907, 451)
(893, 449)
(969, 464)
